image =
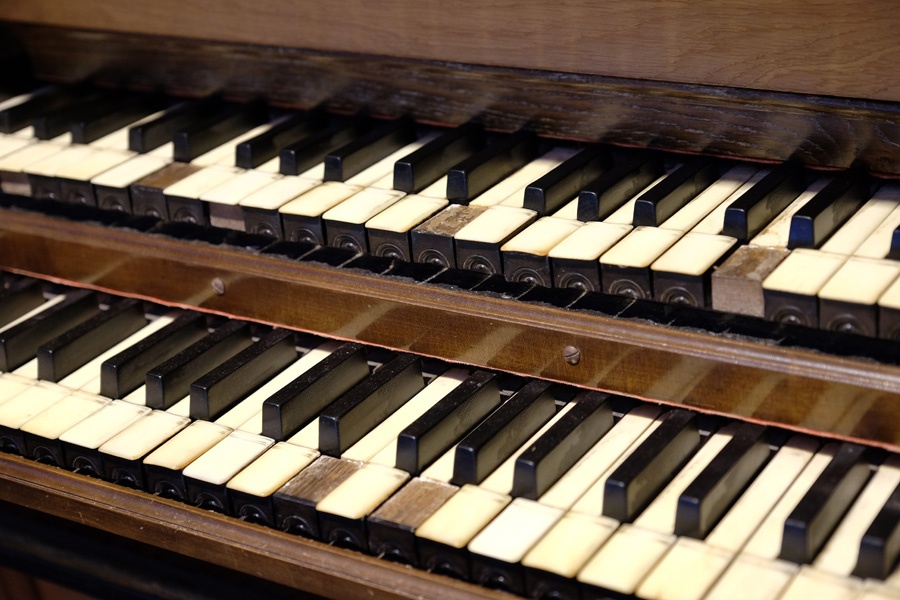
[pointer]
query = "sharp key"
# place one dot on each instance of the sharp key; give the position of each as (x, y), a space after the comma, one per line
(634, 483)
(815, 517)
(674, 192)
(550, 192)
(828, 210)
(85, 131)
(488, 167)
(429, 163)
(355, 157)
(54, 123)
(266, 146)
(151, 135)
(880, 546)
(756, 208)
(310, 151)
(199, 138)
(607, 193)
(220, 389)
(303, 399)
(21, 114)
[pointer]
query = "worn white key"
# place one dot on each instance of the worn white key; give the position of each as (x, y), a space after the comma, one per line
(861, 280)
(590, 241)
(87, 377)
(130, 171)
(319, 200)
(144, 435)
(511, 190)
(362, 492)
(694, 254)
(804, 272)
(187, 445)
(278, 193)
(576, 481)
(273, 469)
(101, 426)
(63, 415)
(247, 408)
(713, 222)
(464, 514)
(860, 227)
(570, 543)
(542, 236)
(515, 530)
(624, 215)
(406, 213)
(625, 558)
(776, 233)
(24, 406)
(877, 244)
(495, 224)
(227, 458)
(379, 446)
(641, 247)
(381, 174)
(363, 205)
(710, 199)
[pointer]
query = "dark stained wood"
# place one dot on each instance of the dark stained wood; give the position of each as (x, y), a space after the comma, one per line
(677, 366)
(832, 47)
(220, 540)
(687, 117)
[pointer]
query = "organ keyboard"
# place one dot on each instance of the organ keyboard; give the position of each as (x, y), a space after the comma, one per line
(740, 315)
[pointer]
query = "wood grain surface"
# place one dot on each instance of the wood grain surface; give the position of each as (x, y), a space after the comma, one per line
(830, 47)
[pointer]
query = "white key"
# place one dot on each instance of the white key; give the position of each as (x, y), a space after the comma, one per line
(464, 514)
(840, 553)
(362, 492)
(97, 162)
(858, 228)
(272, 470)
(362, 206)
(438, 189)
(625, 558)
(495, 224)
(182, 408)
(570, 543)
(87, 377)
(247, 408)
(804, 272)
(24, 406)
(542, 236)
(710, 199)
(187, 445)
(753, 578)
(63, 415)
(511, 190)
(694, 254)
(515, 530)
(278, 193)
(641, 247)
(234, 190)
(590, 241)
(379, 446)
(861, 280)
(18, 161)
(199, 182)
(570, 487)
(13, 385)
(227, 458)
(9, 144)
(810, 583)
(381, 174)
(877, 244)
(123, 175)
(101, 426)
(319, 200)
(713, 222)
(406, 213)
(624, 215)
(776, 234)
(144, 435)
(441, 470)
(57, 161)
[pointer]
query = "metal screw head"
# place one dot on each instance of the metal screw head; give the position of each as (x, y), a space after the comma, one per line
(572, 355)
(218, 286)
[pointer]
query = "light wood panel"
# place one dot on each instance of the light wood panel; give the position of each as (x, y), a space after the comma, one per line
(830, 47)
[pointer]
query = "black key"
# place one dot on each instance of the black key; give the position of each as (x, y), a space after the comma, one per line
(20, 343)
(447, 421)
(220, 389)
(76, 347)
(653, 464)
(92, 106)
(502, 433)
(228, 123)
(827, 210)
(554, 453)
(170, 381)
(303, 399)
(85, 131)
(415, 172)
(758, 206)
(264, 147)
(19, 298)
(563, 183)
(50, 99)
(153, 134)
(602, 196)
(488, 167)
(675, 191)
(715, 489)
(824, 504)
(353, 158)
(894, 252)
(357, 412)
(310, 151)
(880, 546)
